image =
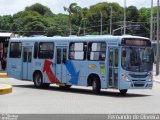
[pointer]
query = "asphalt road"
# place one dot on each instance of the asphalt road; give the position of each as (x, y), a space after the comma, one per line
(26, 99)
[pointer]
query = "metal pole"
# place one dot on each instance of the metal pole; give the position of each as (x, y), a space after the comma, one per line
(151, 21)
(157, 61)
(121, 27)
(101, 22)
(84, 29)
(111, 21)
(124, 27)
(79, 29)
(154, 28)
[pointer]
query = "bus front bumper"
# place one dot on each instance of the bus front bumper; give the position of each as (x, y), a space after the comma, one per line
(136, 85)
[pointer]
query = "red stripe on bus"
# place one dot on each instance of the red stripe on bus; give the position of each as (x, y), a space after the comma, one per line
(49, 72)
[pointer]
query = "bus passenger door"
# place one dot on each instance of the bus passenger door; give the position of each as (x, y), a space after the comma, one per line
(113, 67)
(61, 59)
(27, 63)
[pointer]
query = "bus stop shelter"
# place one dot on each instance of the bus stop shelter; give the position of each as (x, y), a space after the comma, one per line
(4, 39)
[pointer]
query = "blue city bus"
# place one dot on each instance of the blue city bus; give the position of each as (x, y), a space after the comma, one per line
(118, 62)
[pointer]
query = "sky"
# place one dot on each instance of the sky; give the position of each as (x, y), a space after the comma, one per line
(10, 7)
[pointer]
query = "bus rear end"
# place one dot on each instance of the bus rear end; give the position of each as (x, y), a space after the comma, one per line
(14, 59)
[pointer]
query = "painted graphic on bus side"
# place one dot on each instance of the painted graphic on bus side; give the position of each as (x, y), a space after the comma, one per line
(51, 76)
(70, 67)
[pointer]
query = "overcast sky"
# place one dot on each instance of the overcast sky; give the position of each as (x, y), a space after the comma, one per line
(8, 7)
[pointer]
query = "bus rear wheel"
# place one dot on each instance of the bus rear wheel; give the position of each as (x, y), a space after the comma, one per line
(123, 92)
(38, 81)
(96, 85)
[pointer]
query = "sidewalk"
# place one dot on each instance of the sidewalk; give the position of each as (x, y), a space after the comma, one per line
(156, 78)
(3, 75)
(5, 89)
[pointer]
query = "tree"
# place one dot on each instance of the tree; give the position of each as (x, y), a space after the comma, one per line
(144, 14)
(34, 28)
(22, 18)
(32, 20)
(93, 17)
(73, 9)
(42, 10)
(132, 14)
(38, 18)
(6, 22)
(57, 25)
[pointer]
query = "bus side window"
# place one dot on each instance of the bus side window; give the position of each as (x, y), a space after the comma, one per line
(64, 55)
(116, 57)
(35, 50)
(110, 57)
(15, 50)
(58, 56)
(71, 51)
(96, 51)
(77, 50)
(46, 50)
(30, 55)
(123, 55)
(25, 55)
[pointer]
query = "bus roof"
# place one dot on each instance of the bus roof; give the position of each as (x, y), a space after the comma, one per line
(78, 38)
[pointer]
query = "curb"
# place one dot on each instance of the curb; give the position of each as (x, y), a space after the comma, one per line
(5, 89)
(3, 75)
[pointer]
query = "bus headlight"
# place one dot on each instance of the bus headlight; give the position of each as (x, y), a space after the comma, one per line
(150, 75)
(125, 77)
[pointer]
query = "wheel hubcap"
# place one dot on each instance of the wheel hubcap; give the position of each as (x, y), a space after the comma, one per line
(94, 85)
(38, 80)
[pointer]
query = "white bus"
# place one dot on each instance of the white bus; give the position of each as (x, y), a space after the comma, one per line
(119, 62)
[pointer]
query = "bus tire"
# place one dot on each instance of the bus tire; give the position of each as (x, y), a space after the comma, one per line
(123, 92)
(96, 85)
(38, 80)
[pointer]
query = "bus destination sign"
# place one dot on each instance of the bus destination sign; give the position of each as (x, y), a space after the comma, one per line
(136, 42)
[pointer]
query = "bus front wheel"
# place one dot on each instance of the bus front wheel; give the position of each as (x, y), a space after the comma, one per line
(123, 92)
(96, 85)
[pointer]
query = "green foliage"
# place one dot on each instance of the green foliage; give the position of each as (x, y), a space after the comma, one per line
(42, 10)
(132, 14)
(34, 28)
(75, 16)
(6, 22)
(144, 14)
(38, 19)
(57, 25)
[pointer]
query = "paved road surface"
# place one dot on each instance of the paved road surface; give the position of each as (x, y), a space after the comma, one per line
(26, 99)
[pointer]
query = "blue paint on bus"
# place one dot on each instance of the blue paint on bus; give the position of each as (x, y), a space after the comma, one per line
(73, 73)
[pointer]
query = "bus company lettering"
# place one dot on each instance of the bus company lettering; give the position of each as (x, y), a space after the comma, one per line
(92, 67)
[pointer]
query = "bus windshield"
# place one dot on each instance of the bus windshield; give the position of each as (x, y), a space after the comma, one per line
(137, 59)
